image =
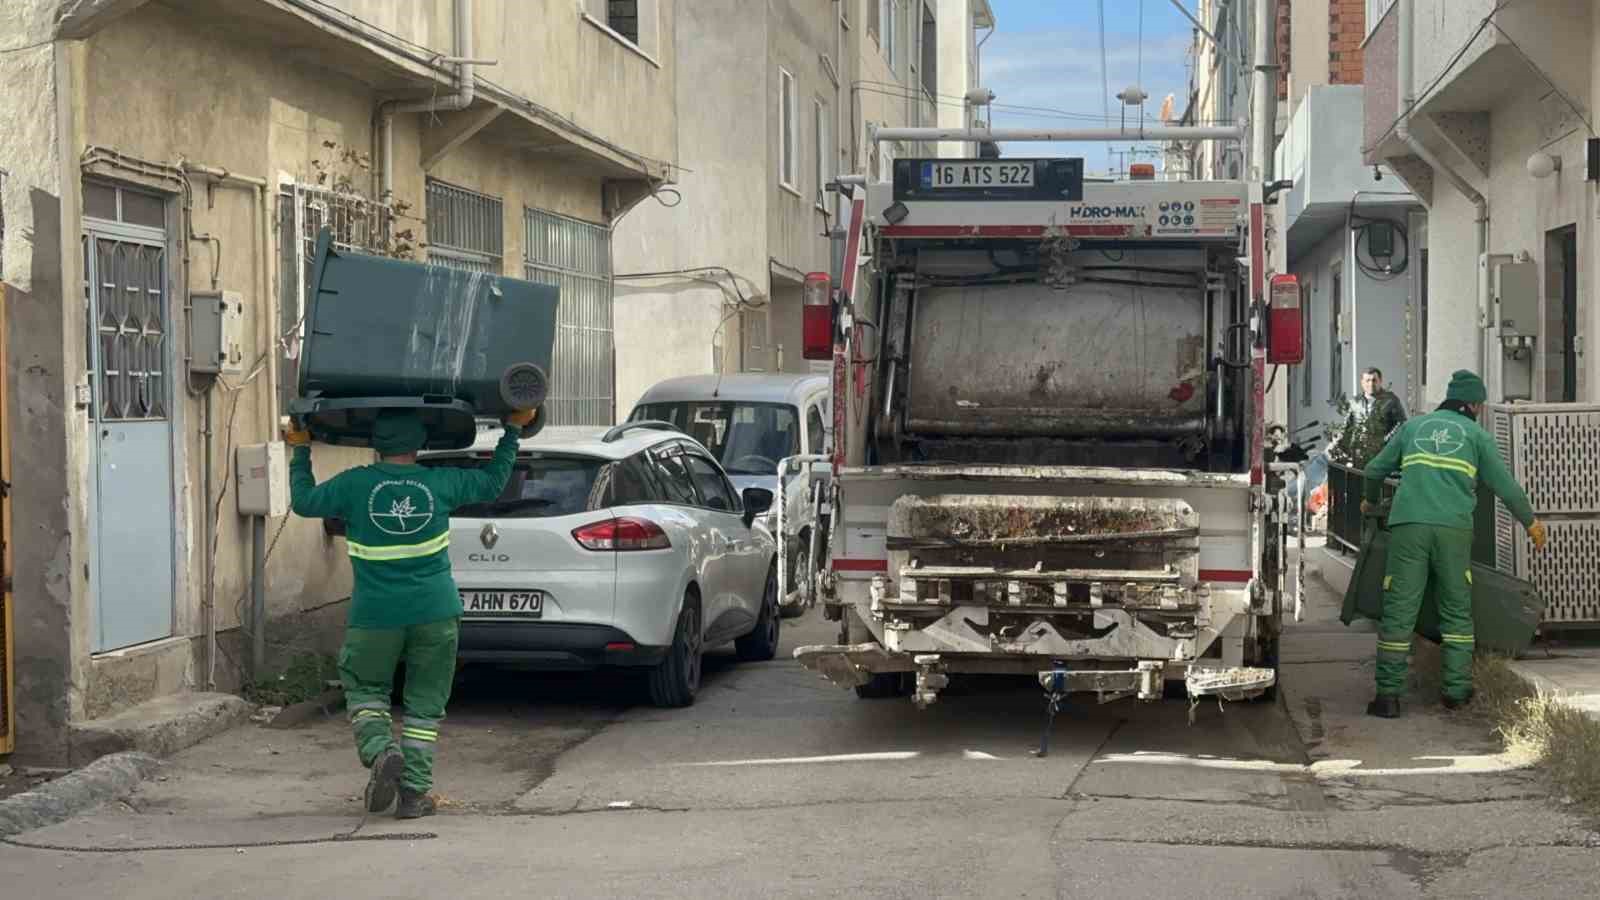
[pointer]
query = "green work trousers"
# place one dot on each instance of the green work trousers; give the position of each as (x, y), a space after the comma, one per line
(367, 665)
(1416, 553)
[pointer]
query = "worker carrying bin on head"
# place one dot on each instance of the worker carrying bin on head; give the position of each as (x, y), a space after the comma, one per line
(405, 605)
(1442, 456)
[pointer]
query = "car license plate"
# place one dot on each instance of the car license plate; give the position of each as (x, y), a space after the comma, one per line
(939, 175)
(513, 604)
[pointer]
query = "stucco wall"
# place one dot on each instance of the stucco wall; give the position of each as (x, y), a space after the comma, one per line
(673, 325)
(48, 545)
(221, 98)
(548, 51)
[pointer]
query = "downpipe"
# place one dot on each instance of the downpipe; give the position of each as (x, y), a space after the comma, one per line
(466, 91)
(1407, 93)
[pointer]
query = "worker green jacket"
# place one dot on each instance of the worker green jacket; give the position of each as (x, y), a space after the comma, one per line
(397, 528)
(1441, 457)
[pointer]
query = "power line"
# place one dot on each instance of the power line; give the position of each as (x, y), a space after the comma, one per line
(33, 46)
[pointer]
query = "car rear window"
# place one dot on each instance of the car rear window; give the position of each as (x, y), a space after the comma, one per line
(540, 487)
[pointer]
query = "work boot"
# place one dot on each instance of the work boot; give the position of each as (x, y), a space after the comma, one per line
(1384, 707)
(415, 804)
(385, 779)
(1452, 704)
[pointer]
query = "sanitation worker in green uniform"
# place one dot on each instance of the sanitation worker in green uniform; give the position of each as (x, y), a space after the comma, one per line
(1441, 456)
(405, 606)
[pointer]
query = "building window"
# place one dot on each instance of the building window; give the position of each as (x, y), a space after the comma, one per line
(635, 22)
(824, 157)
(789, 128)
(891, 35)
(358, 225)
(1376, 10)
(623, 18)
(466, 230)
(929, 67)
(576, 257)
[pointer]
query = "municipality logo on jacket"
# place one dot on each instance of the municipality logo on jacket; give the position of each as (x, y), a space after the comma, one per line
(1442, 439)
(400, 507)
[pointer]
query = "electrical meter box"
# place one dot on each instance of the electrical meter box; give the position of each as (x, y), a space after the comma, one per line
(263, 476)
(454, 345)
(216, 327)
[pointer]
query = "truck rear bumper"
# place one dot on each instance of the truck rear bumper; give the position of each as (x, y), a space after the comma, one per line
(853, 665)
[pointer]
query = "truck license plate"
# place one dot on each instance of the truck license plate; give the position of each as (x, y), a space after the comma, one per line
(515, 604)
(936, 175)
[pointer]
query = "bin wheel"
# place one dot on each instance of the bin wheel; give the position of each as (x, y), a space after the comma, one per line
(524, 386)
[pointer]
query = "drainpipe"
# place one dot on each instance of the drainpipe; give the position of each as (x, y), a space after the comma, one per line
(466, 87)
(1265, 88)
(1403, 131)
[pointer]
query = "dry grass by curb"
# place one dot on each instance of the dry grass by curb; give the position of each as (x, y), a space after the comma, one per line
(1564, 742)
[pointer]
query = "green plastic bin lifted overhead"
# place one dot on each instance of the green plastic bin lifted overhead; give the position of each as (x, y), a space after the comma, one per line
(456, 346)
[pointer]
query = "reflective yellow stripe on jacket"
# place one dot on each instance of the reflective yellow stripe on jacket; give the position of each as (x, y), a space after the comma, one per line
(405, 551)
(1432, 461)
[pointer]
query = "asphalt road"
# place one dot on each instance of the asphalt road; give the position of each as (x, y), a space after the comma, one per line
(777, 784)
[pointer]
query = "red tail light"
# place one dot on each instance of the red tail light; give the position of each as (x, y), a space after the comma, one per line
(620, 535)
(816, 338)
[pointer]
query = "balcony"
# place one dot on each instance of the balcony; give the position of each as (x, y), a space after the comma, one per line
(1321, 153)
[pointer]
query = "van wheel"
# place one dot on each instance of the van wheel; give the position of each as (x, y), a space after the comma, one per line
(761, 644)
(676, 680)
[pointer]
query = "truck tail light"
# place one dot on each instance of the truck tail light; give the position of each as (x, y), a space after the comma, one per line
(622, 535)
(1142, 172)
(817, 318)
(1286, 343)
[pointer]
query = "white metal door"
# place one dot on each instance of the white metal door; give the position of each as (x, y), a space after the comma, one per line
(130, 412)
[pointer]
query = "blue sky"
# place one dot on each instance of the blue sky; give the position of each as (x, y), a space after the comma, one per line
(1046, 53)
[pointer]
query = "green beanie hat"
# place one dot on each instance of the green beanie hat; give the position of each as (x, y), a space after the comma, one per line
(398, 432)
(1466, 387)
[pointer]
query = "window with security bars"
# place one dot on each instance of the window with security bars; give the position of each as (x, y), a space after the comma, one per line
(575, 256)
(359, 225)
(466, 229)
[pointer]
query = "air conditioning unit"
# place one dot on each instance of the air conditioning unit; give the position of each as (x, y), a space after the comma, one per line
(1553, 450)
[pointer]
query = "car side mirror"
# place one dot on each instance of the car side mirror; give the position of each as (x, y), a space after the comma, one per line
(757, 502)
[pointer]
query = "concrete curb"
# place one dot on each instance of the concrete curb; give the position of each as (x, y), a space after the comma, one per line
(108, 778)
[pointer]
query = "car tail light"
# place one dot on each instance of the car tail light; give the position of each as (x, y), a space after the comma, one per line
(817, 318)
(621, 535)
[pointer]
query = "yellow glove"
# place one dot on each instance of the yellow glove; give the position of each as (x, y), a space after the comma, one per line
(1538, 534)
(522, 418)
(296, 438)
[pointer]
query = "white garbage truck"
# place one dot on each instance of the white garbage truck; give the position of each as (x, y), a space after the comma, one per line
(1048, 411)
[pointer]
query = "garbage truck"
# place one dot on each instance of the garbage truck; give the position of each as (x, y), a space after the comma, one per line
(1048, 418)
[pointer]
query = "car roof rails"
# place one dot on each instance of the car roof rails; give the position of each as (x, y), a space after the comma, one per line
(621, 431)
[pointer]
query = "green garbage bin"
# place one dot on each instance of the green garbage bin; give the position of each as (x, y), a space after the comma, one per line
(1506, 611)
(456, 345)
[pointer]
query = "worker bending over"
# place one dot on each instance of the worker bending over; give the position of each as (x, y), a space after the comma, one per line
(405, 606)
(1443, 455)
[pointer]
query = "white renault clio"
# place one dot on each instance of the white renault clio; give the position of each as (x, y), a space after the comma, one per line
(628, 547)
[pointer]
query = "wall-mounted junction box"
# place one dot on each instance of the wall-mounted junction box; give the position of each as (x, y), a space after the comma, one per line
(216, 329)
(263, 478)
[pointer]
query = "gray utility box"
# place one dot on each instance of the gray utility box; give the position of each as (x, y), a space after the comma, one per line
(215, 320)
(1553, 450)
(454, 345)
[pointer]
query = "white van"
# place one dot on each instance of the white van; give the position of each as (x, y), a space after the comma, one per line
(752, 423)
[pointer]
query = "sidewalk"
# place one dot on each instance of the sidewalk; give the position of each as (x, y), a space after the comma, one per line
(1571, 673)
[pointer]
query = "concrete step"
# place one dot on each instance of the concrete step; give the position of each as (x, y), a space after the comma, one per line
(159, 727)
